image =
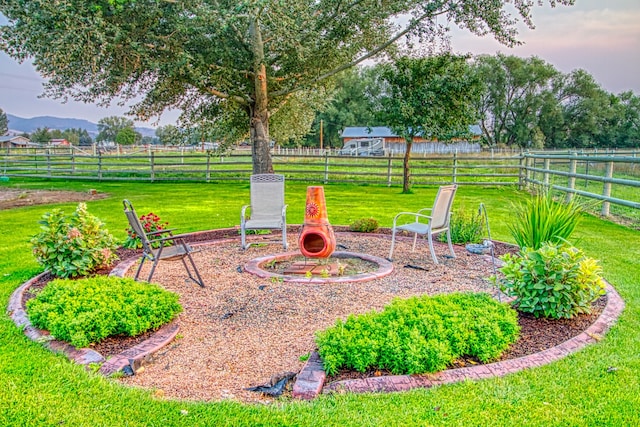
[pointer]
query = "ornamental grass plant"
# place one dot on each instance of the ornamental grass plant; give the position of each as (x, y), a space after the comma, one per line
(540, 219)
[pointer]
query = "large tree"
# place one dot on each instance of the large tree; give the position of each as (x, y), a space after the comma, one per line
(432, 98)
(4, 123)
(109, 127)
(351, 104)
(234, 61)
(516, 91)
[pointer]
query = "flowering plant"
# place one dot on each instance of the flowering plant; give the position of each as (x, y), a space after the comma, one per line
(73, 245)
(150, 223)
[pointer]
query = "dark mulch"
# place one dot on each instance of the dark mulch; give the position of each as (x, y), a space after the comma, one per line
(535, 335)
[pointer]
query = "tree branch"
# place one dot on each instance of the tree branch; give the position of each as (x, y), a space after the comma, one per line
(364, 57)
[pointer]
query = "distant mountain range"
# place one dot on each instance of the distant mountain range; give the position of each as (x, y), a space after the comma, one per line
(19, 124)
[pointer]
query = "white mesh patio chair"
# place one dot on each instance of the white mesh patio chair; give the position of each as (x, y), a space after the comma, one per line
(267, 210)
(161, 246)
(434, 223)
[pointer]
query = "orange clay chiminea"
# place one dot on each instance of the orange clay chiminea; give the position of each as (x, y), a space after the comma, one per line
(316, 238)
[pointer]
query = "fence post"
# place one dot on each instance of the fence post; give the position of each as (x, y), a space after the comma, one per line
(208, 175)
(547, 165)
(73, 161)
(389, 170)
(527, 170)
(153, 172)
(455, 167)
(326, 168)
(573, 163)
(521, 172)
(99, 166)
(49, 162)
(586, 172)
(607, 189)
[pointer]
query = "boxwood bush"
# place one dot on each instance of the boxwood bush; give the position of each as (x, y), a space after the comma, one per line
(88, 310)
(420, 334)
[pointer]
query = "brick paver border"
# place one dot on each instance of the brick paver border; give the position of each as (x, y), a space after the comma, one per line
(310, 381)
(608, 317)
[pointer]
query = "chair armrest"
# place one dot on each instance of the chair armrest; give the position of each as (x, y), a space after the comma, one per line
(243, 212)
(425, 209)
(172, 237)
(414, 214)
(284, 211)
(153, 233)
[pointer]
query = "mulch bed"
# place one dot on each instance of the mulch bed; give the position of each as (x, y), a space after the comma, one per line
(536, 334)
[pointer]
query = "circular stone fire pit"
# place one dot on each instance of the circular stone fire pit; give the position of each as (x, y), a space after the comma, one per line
(340, 267)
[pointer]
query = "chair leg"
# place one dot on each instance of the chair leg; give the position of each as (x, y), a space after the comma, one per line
(285, 245)
(243, 237)
(393, 241)
(153, 269)
(453, 254)
(142, 260)
(415, 239)
(433, 252)
(199, 280)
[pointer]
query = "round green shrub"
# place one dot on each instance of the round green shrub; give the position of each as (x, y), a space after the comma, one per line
(420, 334)
(364, 225)
(85, 311)
(555, 281)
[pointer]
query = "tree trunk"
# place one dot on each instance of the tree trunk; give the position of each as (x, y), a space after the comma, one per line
(406, 173)
(259, 126)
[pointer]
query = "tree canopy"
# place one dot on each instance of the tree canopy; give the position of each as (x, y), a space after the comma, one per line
(236, 62)
(4, 123)
(431, 97)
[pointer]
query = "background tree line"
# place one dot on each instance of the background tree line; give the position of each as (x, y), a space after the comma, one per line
(522, 102)
(518, 102)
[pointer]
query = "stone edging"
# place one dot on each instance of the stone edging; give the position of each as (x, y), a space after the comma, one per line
(133, 357)
(594, 333)
(310, 380)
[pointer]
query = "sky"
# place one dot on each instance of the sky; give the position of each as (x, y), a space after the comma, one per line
(601, 37)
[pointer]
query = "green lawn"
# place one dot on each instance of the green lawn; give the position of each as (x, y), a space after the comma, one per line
(38, 388)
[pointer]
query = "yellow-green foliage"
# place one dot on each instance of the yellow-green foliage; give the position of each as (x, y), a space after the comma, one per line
(554, 281)
(420, 334)
(88, 310)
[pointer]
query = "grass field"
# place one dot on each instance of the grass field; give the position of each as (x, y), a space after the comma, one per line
(598, 386)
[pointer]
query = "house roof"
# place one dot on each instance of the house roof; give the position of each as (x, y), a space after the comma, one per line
(14, 139)
(385, 132)
(367, 132)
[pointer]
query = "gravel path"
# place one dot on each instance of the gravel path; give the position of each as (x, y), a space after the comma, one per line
(240, 330)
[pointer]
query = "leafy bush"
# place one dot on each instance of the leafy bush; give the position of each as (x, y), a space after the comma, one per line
(73, 245)
(151, 223)
(85, 311)
(420, 334)
(464, 228)
(554, 281)
(364, 225)
(541, 219)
